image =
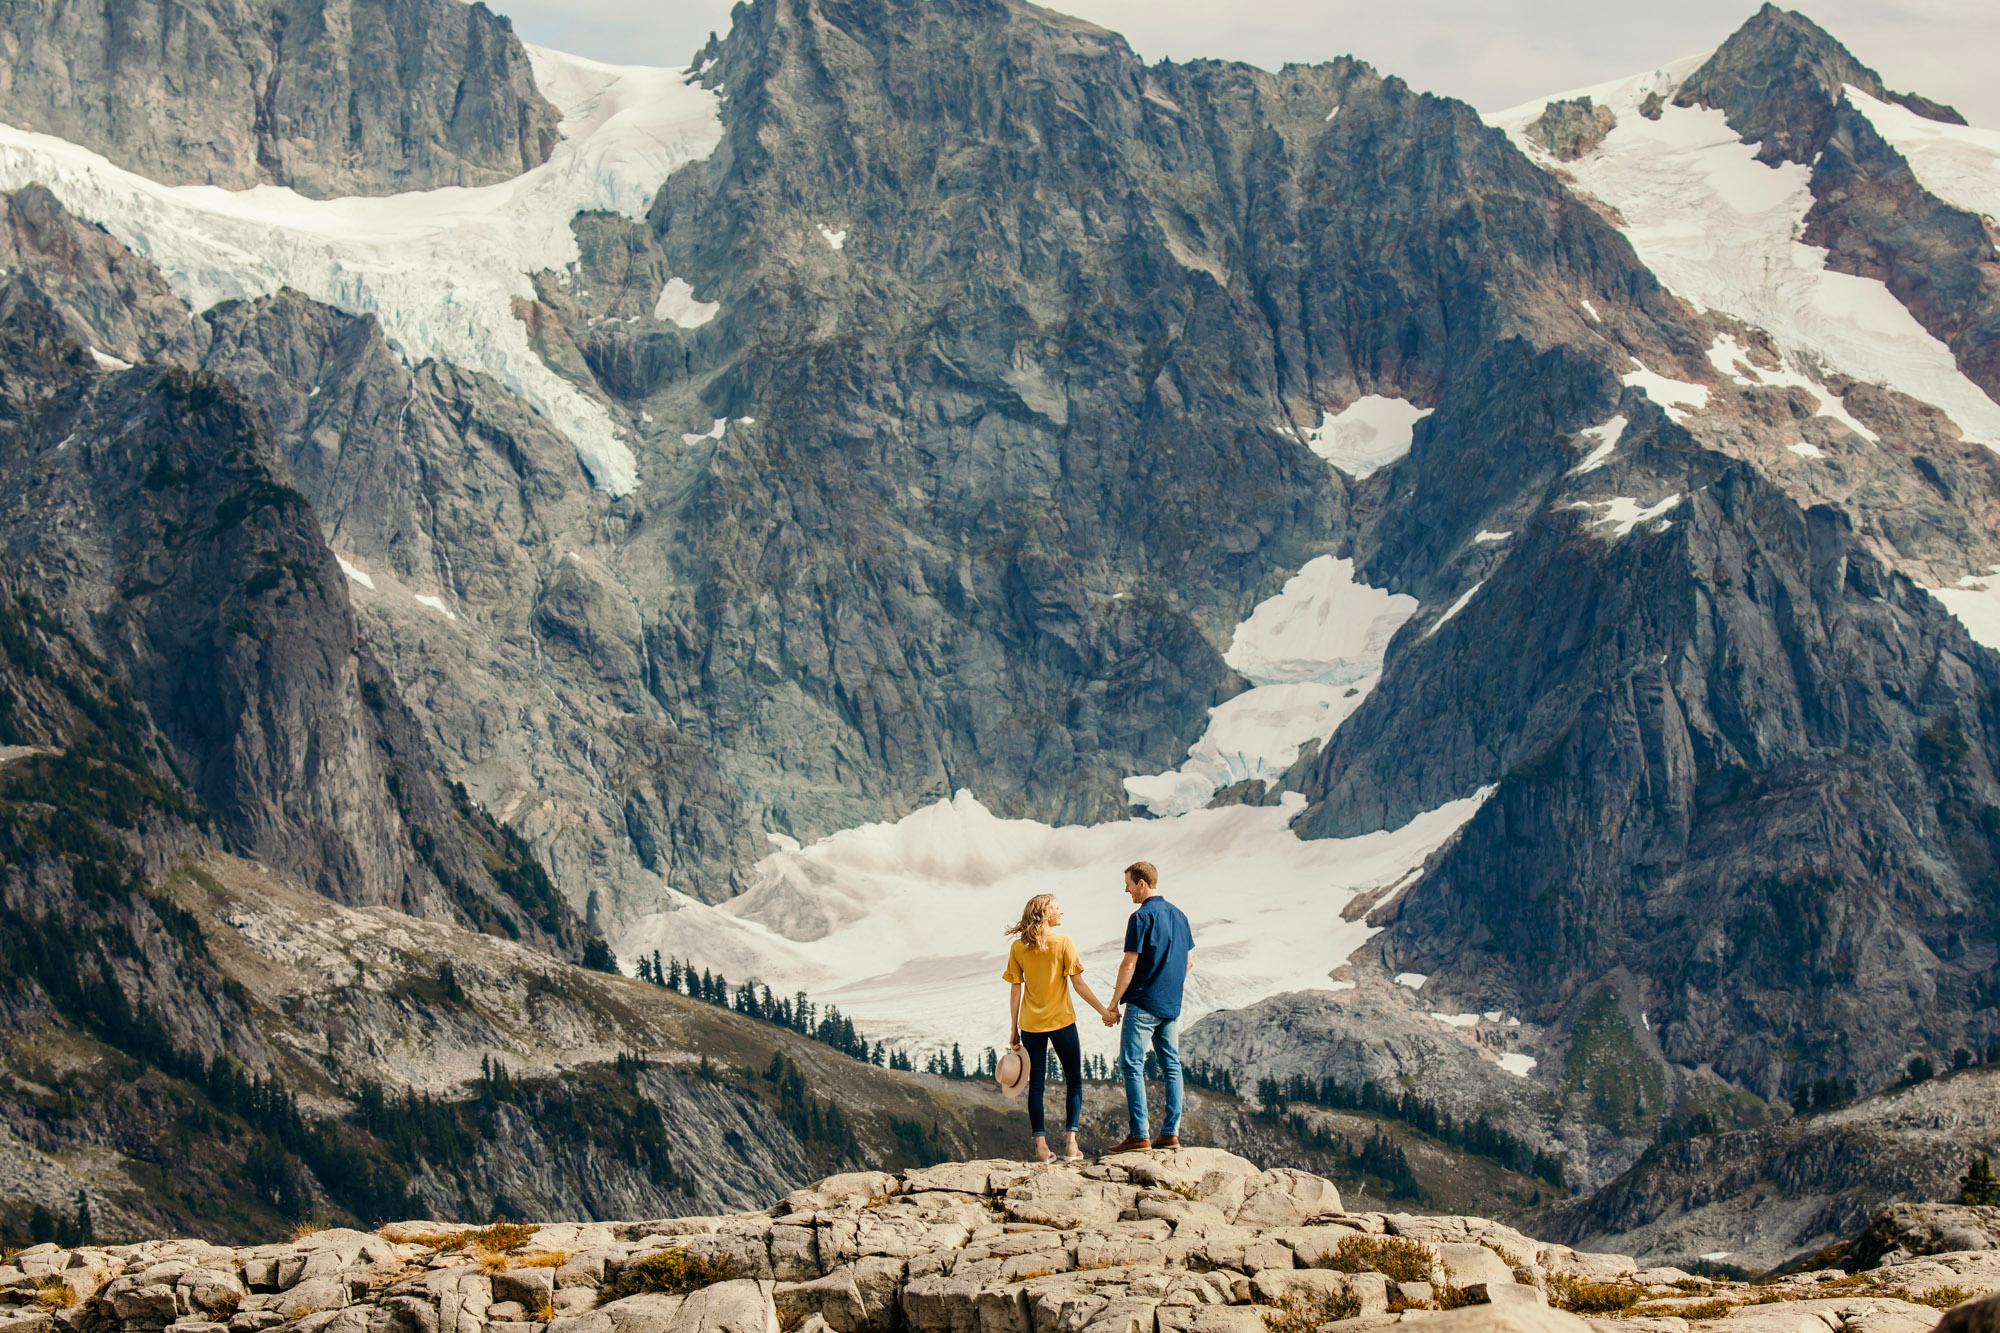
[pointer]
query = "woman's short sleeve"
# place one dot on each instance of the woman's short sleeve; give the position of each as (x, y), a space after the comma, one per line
(1013, 972)
(1073, 965)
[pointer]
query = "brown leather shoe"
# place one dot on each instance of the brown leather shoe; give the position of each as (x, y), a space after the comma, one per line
(1167, 1141)
(1130, 1145)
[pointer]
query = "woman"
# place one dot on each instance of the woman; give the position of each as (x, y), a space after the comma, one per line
(1042, 967)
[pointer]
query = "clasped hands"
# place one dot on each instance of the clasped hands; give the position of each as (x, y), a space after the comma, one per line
(1111, 1015)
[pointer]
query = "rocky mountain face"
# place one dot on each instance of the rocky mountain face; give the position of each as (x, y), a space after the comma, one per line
(1765, 1196)
(328, 98)
(974, 381)
(1782, 83)
(1738, 756)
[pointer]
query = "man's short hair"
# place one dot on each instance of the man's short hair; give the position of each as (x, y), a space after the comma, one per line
(1144, 872)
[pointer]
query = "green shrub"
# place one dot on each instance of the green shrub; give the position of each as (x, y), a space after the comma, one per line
(1943, 1298)
(1580, 1297)
(1303, 1314)
(675, 1272)
(1392, 1256)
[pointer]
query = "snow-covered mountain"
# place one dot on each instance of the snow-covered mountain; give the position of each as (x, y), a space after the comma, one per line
(1524, 578)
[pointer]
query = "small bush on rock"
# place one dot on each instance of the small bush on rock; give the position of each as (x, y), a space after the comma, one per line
(501, 1237)
(1303, 1314)
(54, 1294)
(1392, 1256)
(1580, 1297)
(675, 1272)
(1943, 1298)
(1703, 1310)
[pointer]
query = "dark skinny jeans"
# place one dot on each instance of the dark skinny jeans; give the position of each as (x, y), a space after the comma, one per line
(1069, 1050)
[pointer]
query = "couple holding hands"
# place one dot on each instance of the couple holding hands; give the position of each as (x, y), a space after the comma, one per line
(1042, 967)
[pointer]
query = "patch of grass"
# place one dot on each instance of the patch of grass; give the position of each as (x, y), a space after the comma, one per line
(1715, 1309)
(1304, 1314)
(501, 1237)
(1185, 1189)
(490, 1261)
(54, 1294)
(1943, 1298)
(1580, 1297)
(543, 1259)
(1391, 1256)
(308, 1226)
(1505, 1257)
(675, 1272)
(543, 1313)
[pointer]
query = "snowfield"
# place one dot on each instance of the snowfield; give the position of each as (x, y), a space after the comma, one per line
(901, 924)
(1720, 229)
(440, 269)
(1367, 435)
(1311, 653)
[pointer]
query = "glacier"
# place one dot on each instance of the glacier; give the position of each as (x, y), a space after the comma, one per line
(439, 269)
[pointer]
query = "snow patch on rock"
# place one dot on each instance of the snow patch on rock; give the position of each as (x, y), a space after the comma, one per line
(1677, 398)
(1976, 603)
(1606, 435)
(1624, 513)
(1367, 435)
(355, 574)
(1312, 653)
(677, 303)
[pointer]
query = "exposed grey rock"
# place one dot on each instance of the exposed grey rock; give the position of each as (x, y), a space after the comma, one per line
(1571, 129)
(349, 97)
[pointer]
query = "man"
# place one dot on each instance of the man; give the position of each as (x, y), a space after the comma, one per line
(1150, 979)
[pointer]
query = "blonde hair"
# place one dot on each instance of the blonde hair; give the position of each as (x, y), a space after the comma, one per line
(1033, 927)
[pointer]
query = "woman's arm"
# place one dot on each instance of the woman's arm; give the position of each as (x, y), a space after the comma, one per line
(1014, 1015)
(1084, 990)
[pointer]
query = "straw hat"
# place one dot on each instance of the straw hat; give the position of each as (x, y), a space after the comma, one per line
(1011, 1073)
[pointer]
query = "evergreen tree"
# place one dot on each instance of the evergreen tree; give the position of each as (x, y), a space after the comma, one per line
(957, 1062)
(1979, 1185)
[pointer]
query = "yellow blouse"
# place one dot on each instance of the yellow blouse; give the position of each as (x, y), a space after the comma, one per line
(1045, 975)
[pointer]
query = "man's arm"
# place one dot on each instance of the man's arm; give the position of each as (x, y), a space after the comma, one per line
(1126, 967)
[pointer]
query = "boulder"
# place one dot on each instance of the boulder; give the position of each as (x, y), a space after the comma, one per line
(1465, 1265)
(1209, 1319)
(1182, 1166)
(1980, 1316)
(1059, 1199)
(648, 1312)
(530, 1288)
(1286, 1198)
(320, 1293)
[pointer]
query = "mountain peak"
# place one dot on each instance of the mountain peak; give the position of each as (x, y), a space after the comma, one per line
(1778, 79)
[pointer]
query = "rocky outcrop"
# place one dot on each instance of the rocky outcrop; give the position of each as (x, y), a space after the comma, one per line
(1193, 1241)
(346, 97)
(1766, 1195)
(1779, 79)
(1572, 128)
(1917, 1230)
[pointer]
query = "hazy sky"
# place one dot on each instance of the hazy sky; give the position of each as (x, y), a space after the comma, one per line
(1492, 53)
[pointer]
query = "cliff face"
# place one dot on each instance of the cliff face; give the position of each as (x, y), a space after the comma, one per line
(328, 97)
(148, 513)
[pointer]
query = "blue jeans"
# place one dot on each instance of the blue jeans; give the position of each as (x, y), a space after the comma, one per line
(1165, 1034)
